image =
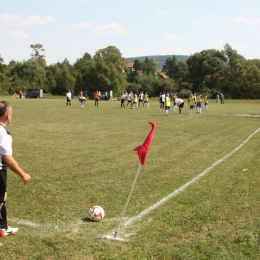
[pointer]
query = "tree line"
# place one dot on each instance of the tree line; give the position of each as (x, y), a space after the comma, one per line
(210, 72)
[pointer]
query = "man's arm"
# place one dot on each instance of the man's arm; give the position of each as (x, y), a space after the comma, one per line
(13, 165)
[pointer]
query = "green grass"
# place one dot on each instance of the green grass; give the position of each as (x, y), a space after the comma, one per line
(81, 157)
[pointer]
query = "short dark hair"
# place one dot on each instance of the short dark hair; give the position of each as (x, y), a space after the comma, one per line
(3, 107)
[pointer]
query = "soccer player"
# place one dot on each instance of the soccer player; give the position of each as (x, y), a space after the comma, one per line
(68, 97)
(96, 98)
(129, 99)
(167, 104)
(191, 104)
(180, 104)
(162, 101)
(122, 99)
(135, 99)
(146, 99)
(7, 160)
(199, 103)
(141, 98)
(206, 102)
(174, 103)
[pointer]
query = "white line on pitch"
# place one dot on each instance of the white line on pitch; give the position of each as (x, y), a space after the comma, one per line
(186, 185)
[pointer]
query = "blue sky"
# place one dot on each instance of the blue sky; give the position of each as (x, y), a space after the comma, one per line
(70, 28)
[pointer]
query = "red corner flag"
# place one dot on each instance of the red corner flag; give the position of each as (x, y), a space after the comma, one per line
(143, 149)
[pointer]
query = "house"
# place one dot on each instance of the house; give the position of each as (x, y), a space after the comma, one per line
(130, 66)
(161, 74)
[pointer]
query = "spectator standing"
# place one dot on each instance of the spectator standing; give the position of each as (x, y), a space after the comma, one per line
(221, 98)
(217, 98)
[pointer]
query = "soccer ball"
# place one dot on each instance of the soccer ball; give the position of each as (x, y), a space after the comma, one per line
(96, 213)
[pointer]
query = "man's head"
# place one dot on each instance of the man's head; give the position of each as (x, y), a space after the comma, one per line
(5, 112)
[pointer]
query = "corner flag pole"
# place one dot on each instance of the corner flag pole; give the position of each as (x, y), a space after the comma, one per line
(142, 151)
(128, 199)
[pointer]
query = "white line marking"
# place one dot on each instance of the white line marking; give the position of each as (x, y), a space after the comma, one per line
(182, 188)
(154, 206)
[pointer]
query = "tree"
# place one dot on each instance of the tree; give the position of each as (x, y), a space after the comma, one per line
(207, 69)
(27, 74)
(66, 64)
(36, 54)
(63, 78)
(2, 66)
(149, 66)
(169, 67)
(110, 69)
(111, 54)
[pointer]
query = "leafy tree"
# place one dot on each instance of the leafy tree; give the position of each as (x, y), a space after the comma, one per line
(82, 62)
(207, 68)
(66, 64)
(27, 74)
(64, 80)
(111, 54)
(2, 66)
(169, 67)
(110, 69)
(149, 66)
(36, 53)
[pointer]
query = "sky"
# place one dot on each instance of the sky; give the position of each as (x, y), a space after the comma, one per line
(68, 29)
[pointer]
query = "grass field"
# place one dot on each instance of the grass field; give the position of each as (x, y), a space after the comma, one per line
(80, 157)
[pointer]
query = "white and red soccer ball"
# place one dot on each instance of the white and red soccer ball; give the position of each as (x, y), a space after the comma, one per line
(96, 213)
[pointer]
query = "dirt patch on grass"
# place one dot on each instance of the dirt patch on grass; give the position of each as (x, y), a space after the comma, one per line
(248, 115)
(244, 115)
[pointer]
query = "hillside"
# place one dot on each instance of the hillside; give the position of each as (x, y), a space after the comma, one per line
(159, 59)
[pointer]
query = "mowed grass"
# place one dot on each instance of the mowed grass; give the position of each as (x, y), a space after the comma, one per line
(80, 157)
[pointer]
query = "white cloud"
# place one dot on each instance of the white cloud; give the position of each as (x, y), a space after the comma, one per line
(172, 37)
(245, 20)
(18, 34)
(161, 12)
(113, 28)
(6, 17)
(82, 25)
(36, 20)
(18, 20)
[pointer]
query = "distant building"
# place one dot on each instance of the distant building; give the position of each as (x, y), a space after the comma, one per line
(130, 66)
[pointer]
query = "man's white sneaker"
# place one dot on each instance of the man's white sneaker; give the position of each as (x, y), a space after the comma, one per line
(11, 230)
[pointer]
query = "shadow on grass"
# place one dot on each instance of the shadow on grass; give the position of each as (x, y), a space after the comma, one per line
(86, 219)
